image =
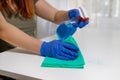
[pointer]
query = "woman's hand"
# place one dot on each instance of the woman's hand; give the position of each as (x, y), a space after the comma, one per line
(80, 22)
(59, 49)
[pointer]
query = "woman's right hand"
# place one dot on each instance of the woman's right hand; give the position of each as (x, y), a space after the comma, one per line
(59, 49)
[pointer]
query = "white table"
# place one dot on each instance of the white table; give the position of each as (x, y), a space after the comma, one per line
(100, 48)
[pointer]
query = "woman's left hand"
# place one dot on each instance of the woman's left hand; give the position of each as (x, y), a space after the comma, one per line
(75, 14)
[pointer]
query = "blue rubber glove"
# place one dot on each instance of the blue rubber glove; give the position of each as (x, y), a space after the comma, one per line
(73, 14)
(59, 49)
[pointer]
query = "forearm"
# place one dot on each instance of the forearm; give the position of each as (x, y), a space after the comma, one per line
(60, 16)
(18, 38)
(46, 11)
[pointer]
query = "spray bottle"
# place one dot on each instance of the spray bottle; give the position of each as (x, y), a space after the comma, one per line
(67, 28)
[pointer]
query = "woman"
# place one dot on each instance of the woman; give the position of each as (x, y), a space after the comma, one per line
(18, 24)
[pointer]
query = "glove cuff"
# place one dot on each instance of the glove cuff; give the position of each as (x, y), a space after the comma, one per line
(42, 49)
(69, 14)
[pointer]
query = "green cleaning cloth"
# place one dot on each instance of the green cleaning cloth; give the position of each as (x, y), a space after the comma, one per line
(57, 63)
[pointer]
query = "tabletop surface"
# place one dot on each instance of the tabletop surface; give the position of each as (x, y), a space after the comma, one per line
(101, 50)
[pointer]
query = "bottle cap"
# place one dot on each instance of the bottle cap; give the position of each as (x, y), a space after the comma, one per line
(83, 15)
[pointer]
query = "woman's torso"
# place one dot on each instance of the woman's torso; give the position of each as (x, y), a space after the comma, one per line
(26, 25)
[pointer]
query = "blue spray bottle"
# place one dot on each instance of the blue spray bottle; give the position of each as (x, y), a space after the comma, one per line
(68, 28)
(65, 29)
